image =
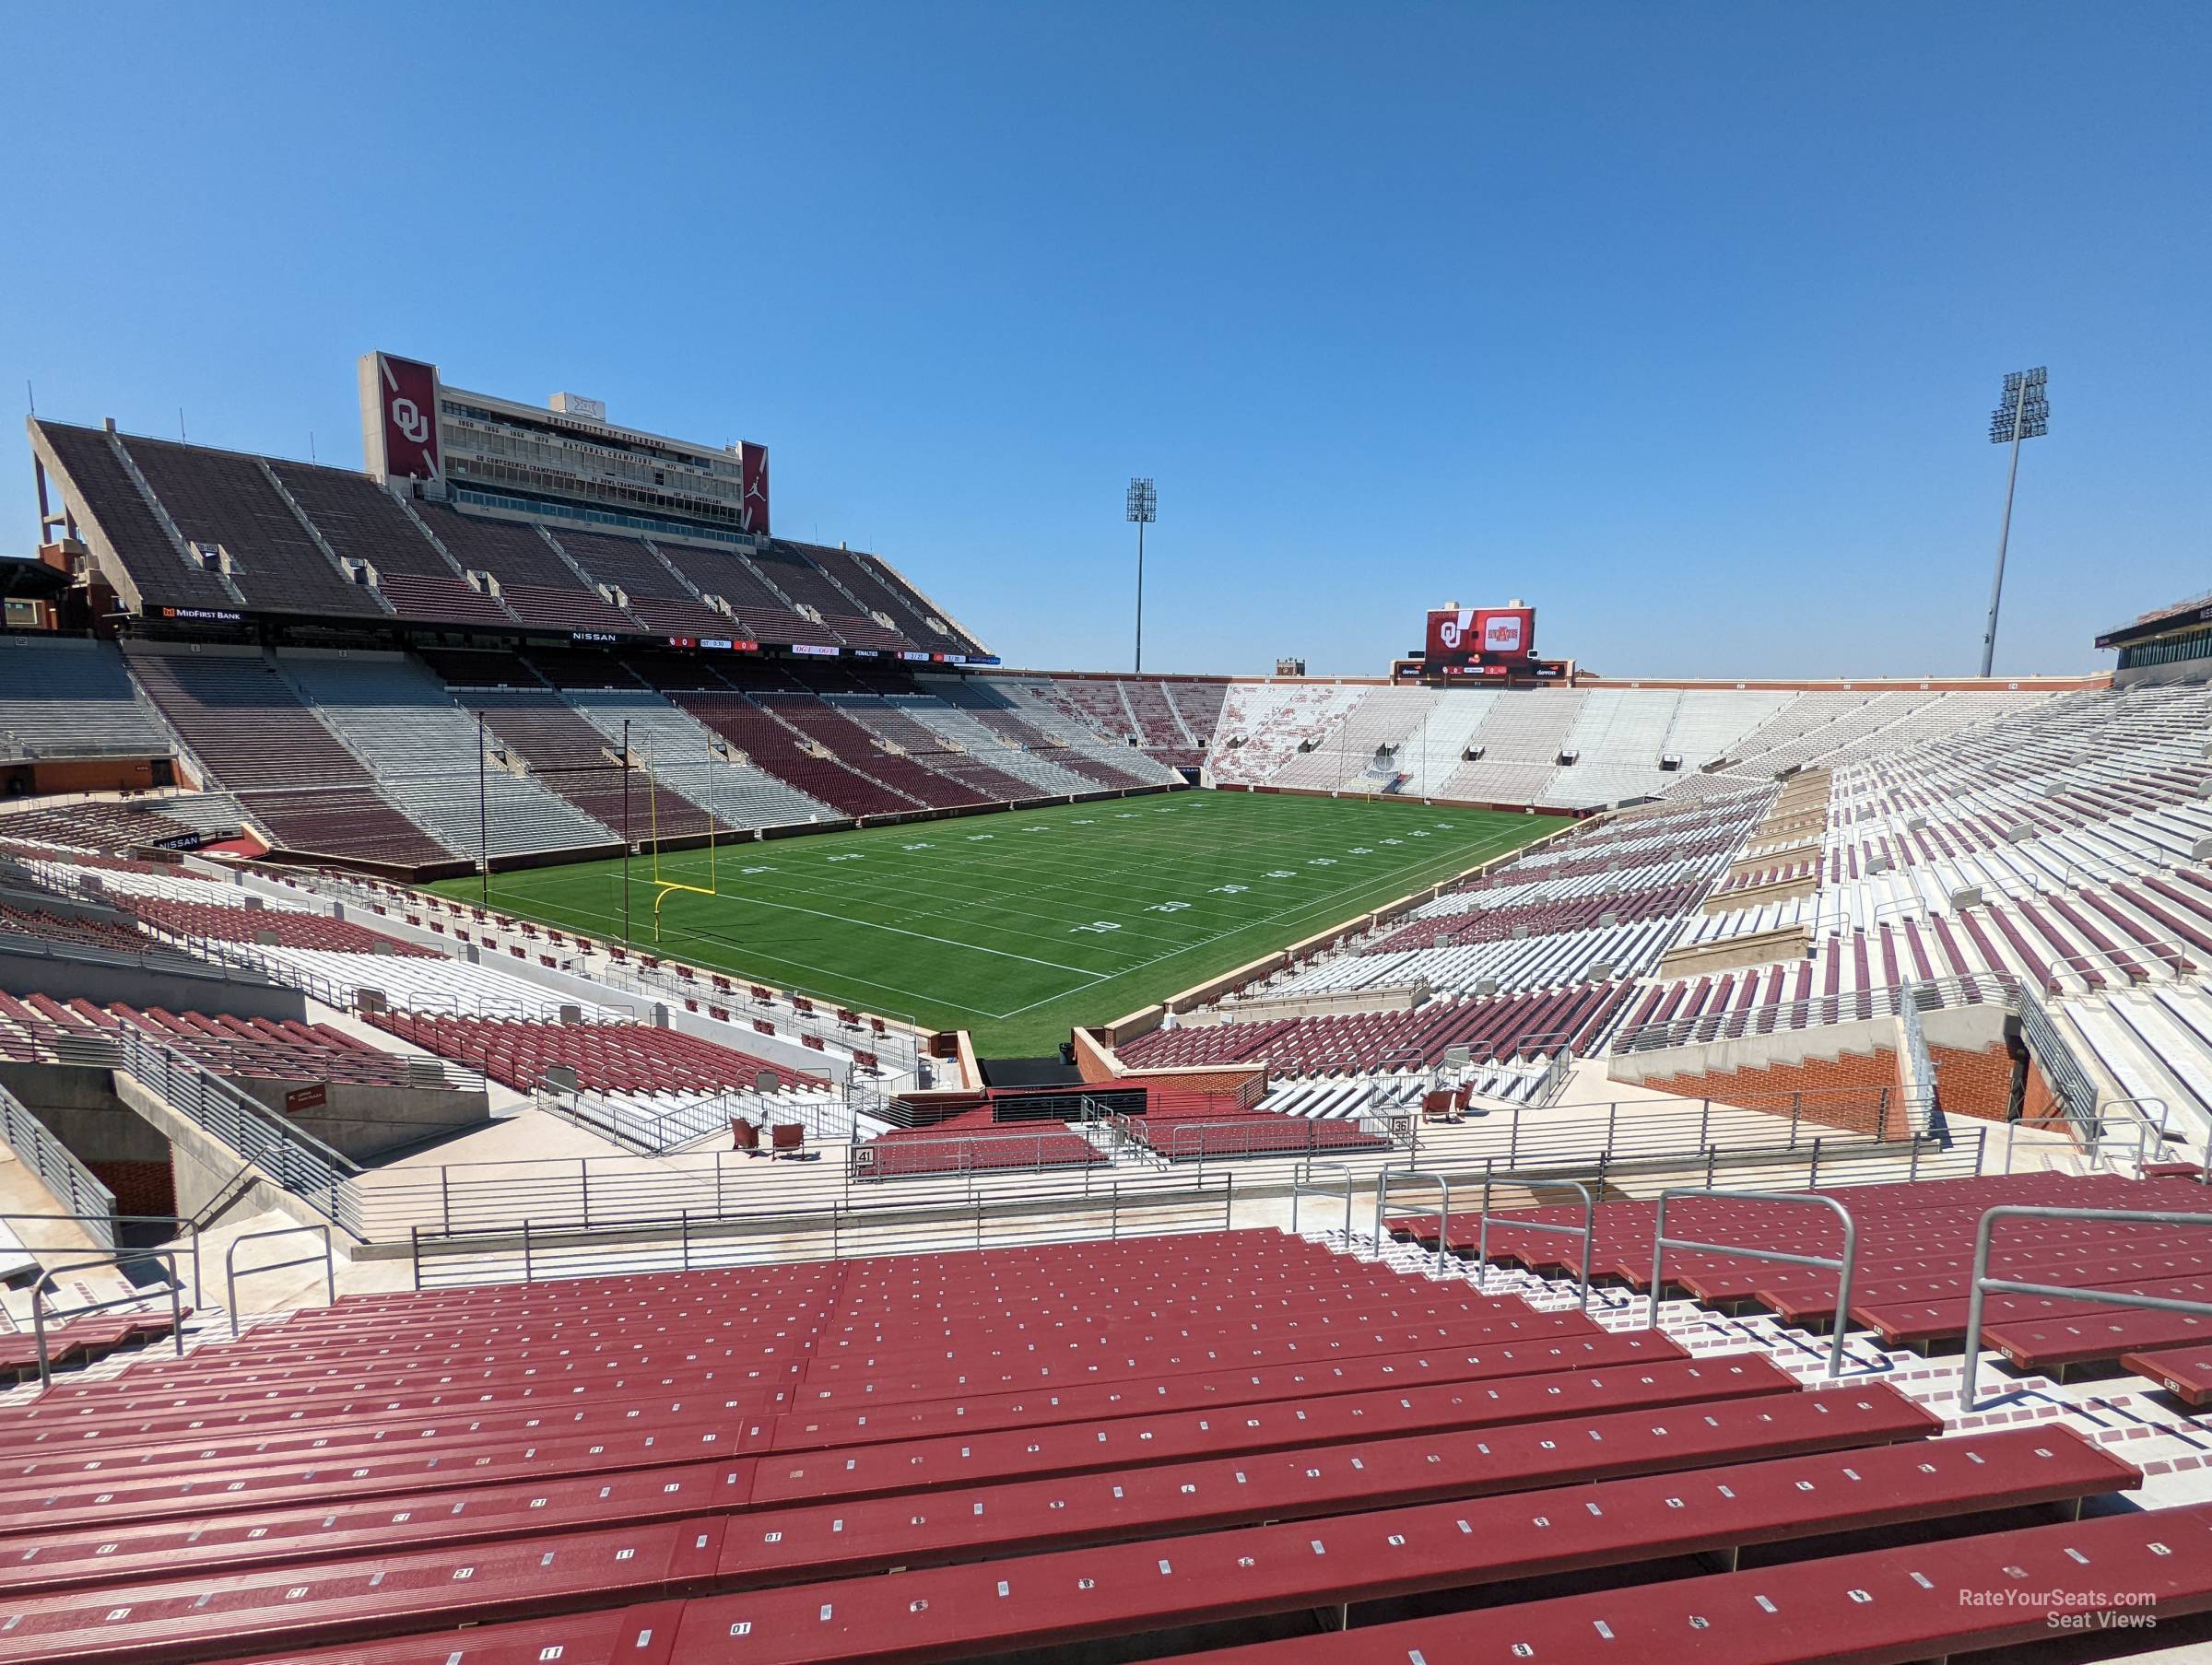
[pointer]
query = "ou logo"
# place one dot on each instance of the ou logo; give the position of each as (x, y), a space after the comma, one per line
(409, 418)
(1455, 629)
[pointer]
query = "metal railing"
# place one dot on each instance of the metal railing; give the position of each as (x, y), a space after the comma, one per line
(1309, 1183)
(1844, 1266)
(104, 1229)
(1266, 1136)
(66, 1179)
(230, 1275)
(2090, 968)
(298, 1161)
(1974, 989)
(1983, 1284)
(529, 1252)
(41, 1312)
(1586, 1231)
(1921, 1107)
(1388, 1177)
(2124, 1144)
(2047, 1045)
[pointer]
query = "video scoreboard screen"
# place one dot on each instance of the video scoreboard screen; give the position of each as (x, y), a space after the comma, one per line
(1480, 640)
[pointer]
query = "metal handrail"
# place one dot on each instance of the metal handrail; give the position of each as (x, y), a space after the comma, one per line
(1986, 1231)
(2161, 951)
(1386, 1180)
(845, 1228)
(1587, 1231)
(38, 1313)
(1843, 1267)
(67, 1178)
(330, 1274)
(2142, 1129)
(2040, 1033)
(1308, 1185)
(189, 1229)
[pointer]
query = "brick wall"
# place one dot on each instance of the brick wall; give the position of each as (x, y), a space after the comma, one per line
(1843, 1092)
(140, 1188)
(1973, 1084)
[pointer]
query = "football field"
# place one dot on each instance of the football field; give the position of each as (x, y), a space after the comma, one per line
(1020, 924)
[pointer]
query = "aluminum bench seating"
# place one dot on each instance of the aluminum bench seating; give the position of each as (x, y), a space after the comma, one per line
(2097, 1336)
(768, 1424)
(612, 1057)
(921, 1465)
(1891, 1604)
(264, 1471)
(1287, 1488)
(291, 926)
(82, 1342)
(1198, 1357)
(2185, 1372)
(331, 1601)
(1061, 1599)
(528, 1507)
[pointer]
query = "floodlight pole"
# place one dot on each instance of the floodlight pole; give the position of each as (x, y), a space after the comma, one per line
(1143, 509)
(2021, 388)
(626, 829)
(1997, 588)
(483, 818)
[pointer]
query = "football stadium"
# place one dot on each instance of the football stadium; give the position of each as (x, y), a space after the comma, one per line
(585, 1079)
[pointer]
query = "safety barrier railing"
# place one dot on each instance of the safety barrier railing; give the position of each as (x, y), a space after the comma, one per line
(531, 1252)
(1586, 1231)
(40, 1313)
(907, 1156)
(230, 1272)
(1268, 1135)
(1984, 1286)
(68, 1181)
(2125, 1143)
(1844, 1266)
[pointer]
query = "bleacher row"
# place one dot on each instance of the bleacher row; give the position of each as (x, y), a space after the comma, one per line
(238, 1048)
(1562, 747)
(374, 756)
(1051, 1447)
(200, 528)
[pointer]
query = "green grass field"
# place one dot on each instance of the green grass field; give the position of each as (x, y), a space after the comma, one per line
(1019, 925)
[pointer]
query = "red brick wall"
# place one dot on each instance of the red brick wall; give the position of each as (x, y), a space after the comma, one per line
(1973, 1084)
(1843, 1092)
(140, 1188)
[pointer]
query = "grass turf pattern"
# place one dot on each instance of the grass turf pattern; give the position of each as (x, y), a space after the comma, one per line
(1020, 924)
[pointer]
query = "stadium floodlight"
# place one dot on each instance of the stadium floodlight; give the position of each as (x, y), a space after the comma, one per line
(1143, 509)
(2023, 412)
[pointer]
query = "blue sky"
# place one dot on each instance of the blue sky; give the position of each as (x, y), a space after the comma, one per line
(1682, 321)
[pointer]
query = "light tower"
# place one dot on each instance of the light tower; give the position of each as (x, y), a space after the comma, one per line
(2022, 413)
(1143, 509)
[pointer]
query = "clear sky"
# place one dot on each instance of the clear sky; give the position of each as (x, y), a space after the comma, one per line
(1682, 321)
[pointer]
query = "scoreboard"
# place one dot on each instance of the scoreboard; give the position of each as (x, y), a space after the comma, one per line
(1491, 644)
